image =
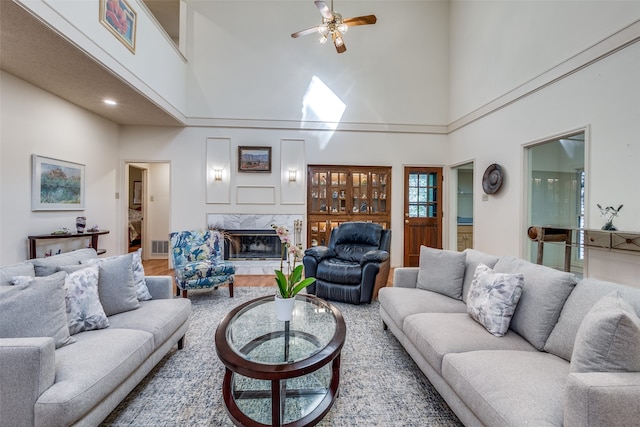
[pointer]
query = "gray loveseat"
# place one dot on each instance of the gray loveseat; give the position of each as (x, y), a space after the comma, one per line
(81, 381)
(549, 369)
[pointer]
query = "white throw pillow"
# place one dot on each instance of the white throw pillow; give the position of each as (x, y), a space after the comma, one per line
(84, 310)
(608, 339)
(116, 288)
(441, 271)
(35, 307)
(142, 291)
(493, 298)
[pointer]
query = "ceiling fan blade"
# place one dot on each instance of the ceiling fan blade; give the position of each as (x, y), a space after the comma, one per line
(324, 10)
(305, 32)
(361, 20)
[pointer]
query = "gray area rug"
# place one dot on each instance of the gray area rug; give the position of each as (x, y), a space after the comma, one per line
(380, 385)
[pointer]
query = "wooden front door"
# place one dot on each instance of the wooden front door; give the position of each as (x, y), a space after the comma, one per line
(422, 211)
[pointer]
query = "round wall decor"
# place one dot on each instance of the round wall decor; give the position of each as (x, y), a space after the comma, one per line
(492, 179)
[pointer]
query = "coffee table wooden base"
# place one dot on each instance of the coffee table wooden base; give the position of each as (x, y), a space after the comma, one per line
(277, 393)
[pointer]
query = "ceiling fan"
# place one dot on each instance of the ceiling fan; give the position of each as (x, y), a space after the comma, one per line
(334, 26)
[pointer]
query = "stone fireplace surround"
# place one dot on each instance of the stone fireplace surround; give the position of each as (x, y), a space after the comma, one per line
(233, 222)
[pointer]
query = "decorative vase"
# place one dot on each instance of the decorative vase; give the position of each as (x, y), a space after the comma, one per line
(609, 226)
(284, 308)
(81, 222)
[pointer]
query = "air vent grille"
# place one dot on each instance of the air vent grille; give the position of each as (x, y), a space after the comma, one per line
(159, 247)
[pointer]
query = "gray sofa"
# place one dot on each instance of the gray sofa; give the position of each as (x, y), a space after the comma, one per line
(536, 374)
(81, 382)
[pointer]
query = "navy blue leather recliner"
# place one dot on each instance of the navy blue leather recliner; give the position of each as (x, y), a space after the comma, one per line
(353, 267)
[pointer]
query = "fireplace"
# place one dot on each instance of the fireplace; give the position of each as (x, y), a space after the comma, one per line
(251, 245)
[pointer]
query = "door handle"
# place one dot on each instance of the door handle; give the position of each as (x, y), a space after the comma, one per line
(406, 221)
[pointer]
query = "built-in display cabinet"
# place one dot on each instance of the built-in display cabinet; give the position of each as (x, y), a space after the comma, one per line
(337, 194)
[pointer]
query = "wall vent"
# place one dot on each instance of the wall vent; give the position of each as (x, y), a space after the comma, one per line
(159, 247)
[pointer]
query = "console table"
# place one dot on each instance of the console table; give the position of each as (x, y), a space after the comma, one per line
(91, 234)
(600, 239)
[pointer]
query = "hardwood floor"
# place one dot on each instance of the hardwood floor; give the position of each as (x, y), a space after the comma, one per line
(160, 267)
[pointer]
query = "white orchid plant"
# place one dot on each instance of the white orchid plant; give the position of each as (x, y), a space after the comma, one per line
(291, 284)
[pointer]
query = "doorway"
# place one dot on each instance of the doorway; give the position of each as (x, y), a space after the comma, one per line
(556, 197)
(422, 211)
(148, 208)
(461, 191)
(135, 214)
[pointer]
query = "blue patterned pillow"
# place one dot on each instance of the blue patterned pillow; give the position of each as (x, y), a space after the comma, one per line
(142, 291)
(84, 310)
(493, 297)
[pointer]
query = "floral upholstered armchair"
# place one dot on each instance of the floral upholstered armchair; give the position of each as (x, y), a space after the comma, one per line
(198, 262)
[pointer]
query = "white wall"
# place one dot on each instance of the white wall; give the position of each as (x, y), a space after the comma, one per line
(497, 45)
(35, 122)
(244, 65)
(186, 149)
(604, 98)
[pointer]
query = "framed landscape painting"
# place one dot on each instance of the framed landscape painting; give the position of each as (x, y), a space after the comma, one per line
(121, 20)
(254, 159)
(56, 185)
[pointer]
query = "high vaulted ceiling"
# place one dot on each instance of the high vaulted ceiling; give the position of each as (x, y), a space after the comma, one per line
(35, 53)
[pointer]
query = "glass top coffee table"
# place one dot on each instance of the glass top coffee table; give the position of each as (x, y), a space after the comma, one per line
(280, 373)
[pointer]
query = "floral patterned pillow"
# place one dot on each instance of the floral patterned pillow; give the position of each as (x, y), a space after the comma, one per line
(142, 291)
(493, 298)
(84, 311)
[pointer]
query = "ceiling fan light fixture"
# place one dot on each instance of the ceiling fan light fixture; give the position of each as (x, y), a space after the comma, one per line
(323, 29)
(323, 39)
(337, 38)
(343, 28)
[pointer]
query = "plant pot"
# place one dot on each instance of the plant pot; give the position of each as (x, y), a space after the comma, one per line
(284, 308)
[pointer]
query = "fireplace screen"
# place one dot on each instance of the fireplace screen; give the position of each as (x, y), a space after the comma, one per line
(253, 245)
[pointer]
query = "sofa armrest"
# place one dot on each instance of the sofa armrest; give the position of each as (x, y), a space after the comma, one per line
(602, 399)
(27, 369)
(319, 253)
(160, 287)
(374, 256)
(405, 277)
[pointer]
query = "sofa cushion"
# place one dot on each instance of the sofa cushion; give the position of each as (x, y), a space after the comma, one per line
(399, 303)
(161, 318)
(543, 296)
(142, 292)
(441, 271)
(438, 334)
(21, 269)
(84, 310)
(47, 266)
(493, 298)
(35, 309)
(586, 293)
(509, 388)
(473, 258)
(608, 339)
(89, 371)
(336, 270)
(116, 287)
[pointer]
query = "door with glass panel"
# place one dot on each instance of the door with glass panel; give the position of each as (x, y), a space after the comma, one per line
(422, 211)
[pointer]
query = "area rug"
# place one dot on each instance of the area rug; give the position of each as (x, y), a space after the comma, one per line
(380, 385)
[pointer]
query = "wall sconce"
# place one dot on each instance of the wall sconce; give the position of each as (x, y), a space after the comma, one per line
(293, 175)
(217, 174)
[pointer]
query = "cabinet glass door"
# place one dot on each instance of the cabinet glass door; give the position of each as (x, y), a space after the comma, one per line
(360, 192)
(338, 192)
(318, 202)
(378, 193)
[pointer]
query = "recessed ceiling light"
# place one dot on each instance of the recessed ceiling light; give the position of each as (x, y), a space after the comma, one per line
(110, 102)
